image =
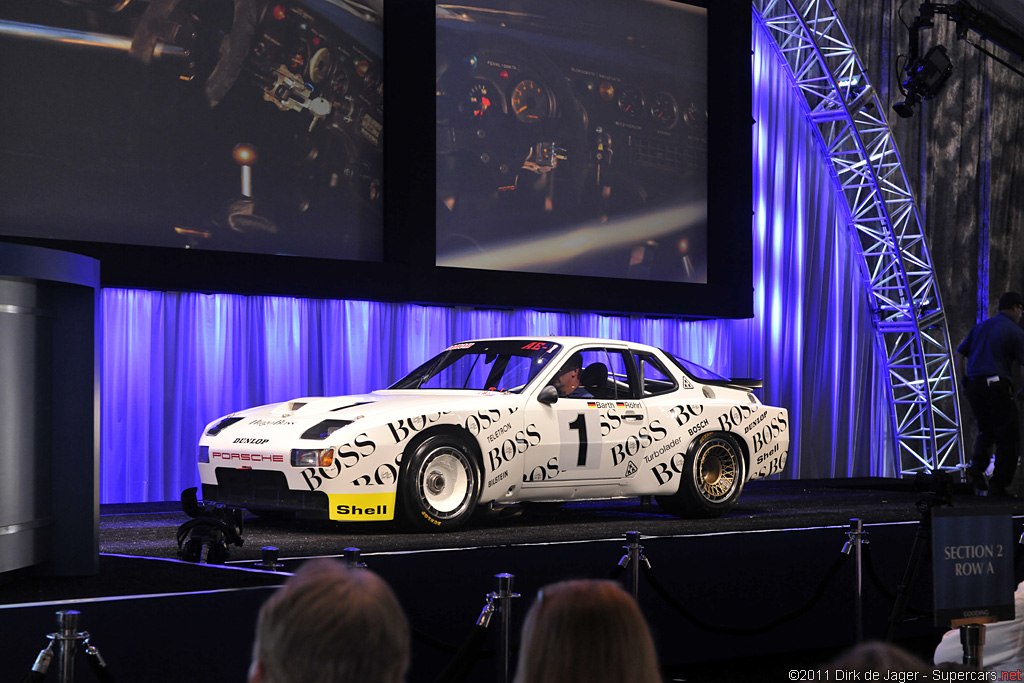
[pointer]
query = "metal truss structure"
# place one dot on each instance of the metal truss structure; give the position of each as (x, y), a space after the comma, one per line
(856, 140)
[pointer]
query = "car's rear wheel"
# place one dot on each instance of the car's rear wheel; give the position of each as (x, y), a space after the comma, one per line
(713, 473)
(439, 485)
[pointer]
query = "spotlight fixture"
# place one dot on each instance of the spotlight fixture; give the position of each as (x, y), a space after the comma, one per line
(925, 78)
(926, 75)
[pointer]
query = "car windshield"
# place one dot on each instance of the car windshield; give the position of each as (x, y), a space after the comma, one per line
(505, 365)
(698, 372)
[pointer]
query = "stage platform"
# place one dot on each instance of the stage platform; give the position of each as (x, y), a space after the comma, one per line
(764, 589)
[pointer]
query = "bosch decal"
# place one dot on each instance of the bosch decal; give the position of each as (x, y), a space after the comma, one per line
(697, 427)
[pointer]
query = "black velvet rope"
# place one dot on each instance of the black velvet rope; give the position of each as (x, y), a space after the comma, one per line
(431, 641)
(459, 668)
(869, 568)
(730, 630)
(98, 666)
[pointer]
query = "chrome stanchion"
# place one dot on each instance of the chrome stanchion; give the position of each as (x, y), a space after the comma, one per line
(972, 638)
(856, 537)
(351, 559)
(504, 595)
(631, 562)
(41, 665)
(269, 556)
(62, 650)
(66, 639)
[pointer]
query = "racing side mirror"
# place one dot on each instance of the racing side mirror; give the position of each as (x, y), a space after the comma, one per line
(548, 395)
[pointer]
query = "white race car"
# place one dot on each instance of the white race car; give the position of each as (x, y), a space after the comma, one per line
(497, 421)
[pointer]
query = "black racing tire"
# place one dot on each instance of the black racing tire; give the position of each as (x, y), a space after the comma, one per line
(439, 484)
(713, 475)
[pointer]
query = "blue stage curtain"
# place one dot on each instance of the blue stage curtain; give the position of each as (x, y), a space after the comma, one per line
(174, 361)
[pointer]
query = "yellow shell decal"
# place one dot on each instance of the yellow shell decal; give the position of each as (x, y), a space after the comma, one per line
(361, 507)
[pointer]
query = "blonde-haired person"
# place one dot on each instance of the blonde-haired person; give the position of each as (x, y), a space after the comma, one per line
(330, 623)
(588, 631)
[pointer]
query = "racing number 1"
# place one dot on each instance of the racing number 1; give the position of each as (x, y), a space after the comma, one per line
(580, 425)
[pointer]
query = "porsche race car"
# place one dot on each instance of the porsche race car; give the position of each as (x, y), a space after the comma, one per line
(492, 422)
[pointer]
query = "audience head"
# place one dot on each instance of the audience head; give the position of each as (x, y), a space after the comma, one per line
(586, 631)
(876, 656)
(330, 623)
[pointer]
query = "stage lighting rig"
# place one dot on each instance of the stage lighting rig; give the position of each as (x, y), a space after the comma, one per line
(926, 75)
(925, 78)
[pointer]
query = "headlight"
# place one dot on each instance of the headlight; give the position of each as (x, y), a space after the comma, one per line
(312, 457)
(204, 454)
(222, 425)
(322, 430)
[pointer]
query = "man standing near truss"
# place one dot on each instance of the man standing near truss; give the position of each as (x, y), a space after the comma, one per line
(985, 358)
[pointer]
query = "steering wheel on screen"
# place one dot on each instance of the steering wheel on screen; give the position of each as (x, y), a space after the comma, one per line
(482, 154)
(157, 20)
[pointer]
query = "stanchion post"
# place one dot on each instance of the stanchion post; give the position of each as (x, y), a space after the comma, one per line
(856, 538)
(351, 559)
(972, 638)
(504, 596)
(631, 562)
(66, 637)
(268, 559)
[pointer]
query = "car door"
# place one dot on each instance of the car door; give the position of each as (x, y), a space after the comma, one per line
(591, 432)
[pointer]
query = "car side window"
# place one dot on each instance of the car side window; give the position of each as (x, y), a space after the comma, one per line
(603, 375)
(654, 378)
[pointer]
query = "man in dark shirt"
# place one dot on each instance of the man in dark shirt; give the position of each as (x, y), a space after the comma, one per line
(985, 359)
(567, 381)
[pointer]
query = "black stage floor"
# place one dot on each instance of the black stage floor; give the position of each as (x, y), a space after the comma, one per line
(764, 589)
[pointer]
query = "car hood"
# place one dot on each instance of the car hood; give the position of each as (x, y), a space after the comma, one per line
(377, 404)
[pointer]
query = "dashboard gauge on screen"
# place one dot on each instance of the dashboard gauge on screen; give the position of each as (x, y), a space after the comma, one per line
(531, 101)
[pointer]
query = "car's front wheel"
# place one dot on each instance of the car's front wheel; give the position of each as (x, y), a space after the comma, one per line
(712, 477)
(439, 485)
